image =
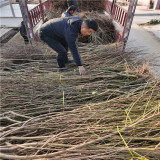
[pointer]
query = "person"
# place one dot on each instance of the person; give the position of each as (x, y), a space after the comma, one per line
(24, 33)
(73, 2)
(69, 12)
(62, 33)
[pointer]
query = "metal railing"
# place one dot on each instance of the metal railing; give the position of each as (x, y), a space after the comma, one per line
(108, 6)
(117, 13)
(46, 6)
(38, 13)
(35, 15)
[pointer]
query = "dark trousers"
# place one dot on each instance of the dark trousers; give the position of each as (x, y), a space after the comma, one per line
(59, 46)
(26, 41)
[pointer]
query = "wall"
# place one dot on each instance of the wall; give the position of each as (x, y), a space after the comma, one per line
(144, 2)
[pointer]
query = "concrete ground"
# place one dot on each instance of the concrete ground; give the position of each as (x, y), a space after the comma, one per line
(146, 39)
(7, 21)
(6, 10)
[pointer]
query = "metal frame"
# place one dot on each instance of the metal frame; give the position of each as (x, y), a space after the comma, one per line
(10, 3)
(128, 23)
(26, 19)
(33, 17)
(122, 16)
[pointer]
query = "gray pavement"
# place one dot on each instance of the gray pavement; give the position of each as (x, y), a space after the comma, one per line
(7, 21)
(3, 3)
(6, 16)
(146, 40)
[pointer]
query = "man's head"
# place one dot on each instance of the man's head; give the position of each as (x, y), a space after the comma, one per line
(72, 9)
(88, 27)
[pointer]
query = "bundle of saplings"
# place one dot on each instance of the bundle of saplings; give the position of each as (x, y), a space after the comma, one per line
(106, 32)
(84, 5)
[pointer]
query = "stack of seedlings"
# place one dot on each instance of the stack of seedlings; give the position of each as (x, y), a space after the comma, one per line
(110, 113)
(106, 33)
(84, 5)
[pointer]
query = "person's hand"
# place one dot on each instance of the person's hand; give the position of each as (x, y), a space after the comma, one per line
(81, 70)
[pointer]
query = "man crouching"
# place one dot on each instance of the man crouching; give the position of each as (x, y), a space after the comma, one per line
(62, 33)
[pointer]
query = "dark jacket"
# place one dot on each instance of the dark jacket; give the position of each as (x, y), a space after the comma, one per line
(65, 30)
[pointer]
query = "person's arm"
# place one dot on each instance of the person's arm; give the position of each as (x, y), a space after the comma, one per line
(72, 44)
